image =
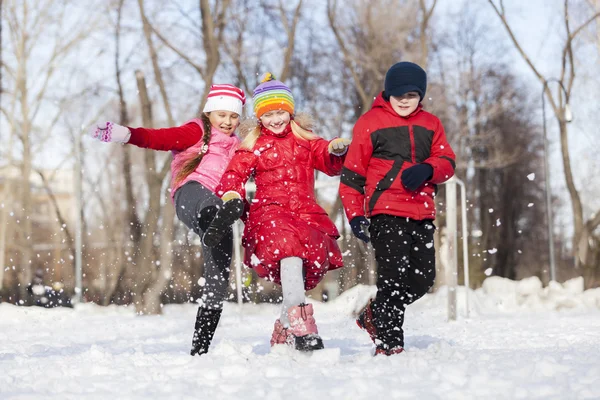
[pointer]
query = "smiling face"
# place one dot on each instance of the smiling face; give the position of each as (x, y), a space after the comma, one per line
(404, 105)
(276, 120)
(225, 121)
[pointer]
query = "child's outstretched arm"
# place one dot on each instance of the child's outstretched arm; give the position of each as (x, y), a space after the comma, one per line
(441, 158)
(329, 156)
(176, 138)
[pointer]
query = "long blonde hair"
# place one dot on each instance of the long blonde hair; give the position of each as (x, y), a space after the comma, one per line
(298, 129)
(193, 163)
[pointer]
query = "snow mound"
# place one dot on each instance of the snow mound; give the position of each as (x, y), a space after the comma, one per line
(496, 294)
(529, 294)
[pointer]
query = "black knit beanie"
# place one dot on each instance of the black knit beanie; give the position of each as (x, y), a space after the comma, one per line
(404, 77)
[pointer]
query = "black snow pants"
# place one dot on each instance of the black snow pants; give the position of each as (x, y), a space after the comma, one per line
(405, 255)
(196, 206)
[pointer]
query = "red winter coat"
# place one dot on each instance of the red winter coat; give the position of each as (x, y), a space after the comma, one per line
(383, 145)
(285, 219)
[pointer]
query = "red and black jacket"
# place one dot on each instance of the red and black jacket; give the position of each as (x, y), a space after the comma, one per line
(383, 145)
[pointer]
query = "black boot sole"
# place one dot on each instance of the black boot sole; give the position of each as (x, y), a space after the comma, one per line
(308, 343)
(225, 217)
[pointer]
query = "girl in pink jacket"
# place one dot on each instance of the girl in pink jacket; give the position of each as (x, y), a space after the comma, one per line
(202, 149)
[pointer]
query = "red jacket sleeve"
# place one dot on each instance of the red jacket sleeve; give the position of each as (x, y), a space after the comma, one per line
(177, 138)
(354, 172)
(442, 157)
(323, 161)
(237, 173)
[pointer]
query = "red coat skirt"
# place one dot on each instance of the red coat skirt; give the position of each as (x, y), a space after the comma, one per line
(285, 219)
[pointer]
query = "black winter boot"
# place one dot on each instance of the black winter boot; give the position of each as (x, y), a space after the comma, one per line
(225, 217)
(204, 330)
(308, 342)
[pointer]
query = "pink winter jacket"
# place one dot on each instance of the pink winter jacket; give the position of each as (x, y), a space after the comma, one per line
(186, 142)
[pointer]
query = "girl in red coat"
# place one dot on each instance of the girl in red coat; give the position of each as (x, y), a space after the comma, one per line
(201, 148)
(288, 237)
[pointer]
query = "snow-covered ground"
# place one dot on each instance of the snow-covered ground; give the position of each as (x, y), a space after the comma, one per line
(520, 342)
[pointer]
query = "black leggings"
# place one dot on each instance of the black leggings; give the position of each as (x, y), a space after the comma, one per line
(405, 257)
(195, 206)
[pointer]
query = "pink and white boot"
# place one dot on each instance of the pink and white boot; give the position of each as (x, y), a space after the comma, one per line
(303, 328)
(281, 335)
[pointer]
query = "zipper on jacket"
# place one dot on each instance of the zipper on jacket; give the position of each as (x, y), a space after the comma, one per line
(412, 144)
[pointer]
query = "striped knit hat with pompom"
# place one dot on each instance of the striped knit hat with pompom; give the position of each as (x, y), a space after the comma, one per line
(225, 97)
(272, 95)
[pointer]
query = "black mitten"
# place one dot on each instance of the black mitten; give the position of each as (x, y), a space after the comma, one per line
(416, 175)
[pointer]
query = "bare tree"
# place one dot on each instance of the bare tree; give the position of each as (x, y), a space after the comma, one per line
(30, 23)
(426, 14)
(359, 33)
(584, 246)
(213, 24)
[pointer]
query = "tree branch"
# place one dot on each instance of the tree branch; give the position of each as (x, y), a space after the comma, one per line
(290, 31)
(61, 219)
(181, 54)
(331, 16)
(501, 14)
(155, 66)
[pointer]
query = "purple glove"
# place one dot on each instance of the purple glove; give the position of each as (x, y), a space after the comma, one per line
(111, 132)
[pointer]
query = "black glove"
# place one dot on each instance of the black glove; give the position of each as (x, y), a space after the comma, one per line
(416, 175)
(359, 227)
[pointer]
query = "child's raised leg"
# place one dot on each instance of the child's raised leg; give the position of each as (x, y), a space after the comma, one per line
(196, 206)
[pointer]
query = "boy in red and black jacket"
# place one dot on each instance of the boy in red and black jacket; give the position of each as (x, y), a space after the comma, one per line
(399, 153)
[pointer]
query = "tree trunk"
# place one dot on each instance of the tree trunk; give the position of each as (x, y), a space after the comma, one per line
(145, 258)
(152, 303)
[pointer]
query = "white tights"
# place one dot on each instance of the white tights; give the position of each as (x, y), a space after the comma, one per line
(292, 285)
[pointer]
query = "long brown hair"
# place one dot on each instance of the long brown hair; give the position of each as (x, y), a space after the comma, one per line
(193, 163)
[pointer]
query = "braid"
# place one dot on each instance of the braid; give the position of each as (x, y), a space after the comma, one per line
(207, 129)
(193, 163)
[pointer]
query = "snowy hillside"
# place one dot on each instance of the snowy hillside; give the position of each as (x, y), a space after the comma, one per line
(520, 342)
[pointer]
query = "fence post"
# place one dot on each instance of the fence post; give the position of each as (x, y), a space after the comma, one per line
(237, 243)
(451, 254)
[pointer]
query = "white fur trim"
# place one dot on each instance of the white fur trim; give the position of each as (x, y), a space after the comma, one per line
(223, 102)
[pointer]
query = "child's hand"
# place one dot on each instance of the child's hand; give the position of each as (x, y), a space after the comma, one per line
(415, 176)
(359, 227)
(339, 146)
(111, 132)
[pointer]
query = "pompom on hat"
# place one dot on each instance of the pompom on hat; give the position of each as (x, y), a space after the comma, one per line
(225, 97)
(271, 95)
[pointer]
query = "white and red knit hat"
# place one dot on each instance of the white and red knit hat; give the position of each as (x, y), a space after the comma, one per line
(225, 97)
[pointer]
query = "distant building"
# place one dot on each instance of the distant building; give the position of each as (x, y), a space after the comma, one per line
(49, 243)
